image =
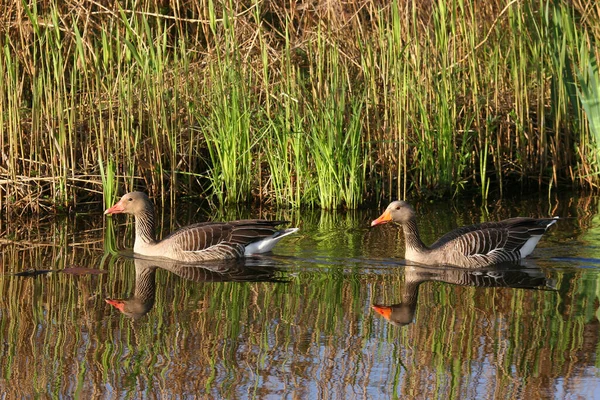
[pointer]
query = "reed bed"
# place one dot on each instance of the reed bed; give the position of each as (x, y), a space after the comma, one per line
(318, 104)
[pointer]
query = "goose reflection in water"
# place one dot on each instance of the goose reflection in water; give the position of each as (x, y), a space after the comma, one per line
(403, 313)
(142, 301)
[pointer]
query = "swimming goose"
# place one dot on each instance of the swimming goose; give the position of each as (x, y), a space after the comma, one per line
(205, 241)
(494, 277)
(474, 246)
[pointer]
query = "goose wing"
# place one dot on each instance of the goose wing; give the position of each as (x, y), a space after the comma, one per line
(208, 235)
(494, 242)
(513, 230)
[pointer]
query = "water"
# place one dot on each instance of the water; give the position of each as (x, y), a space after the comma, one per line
(300, 323)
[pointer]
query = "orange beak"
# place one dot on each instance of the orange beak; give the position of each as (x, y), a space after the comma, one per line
(118, 304)
(384, 311)
(116, 209)
(384, 218)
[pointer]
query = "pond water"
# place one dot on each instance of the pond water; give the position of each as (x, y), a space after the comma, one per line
(300, 323)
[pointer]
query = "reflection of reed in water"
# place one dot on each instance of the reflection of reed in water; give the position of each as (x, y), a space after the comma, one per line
(403, 313)
(142, 301)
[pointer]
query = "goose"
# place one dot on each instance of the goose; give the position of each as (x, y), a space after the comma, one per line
(474, 246)
(206, 241)
(494, 277)
(142, 301)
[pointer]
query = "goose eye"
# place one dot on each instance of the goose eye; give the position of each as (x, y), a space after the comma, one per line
(130, 199)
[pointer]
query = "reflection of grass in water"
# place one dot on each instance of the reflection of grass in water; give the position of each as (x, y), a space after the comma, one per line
(322, 306)
(224, 338)
(520, 331)
(591, 287)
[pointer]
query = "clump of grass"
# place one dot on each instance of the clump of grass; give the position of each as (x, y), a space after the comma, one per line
(333, 105)
(109, 181)
(334, 130)
(285, 147)
(228, 131)
(285, 150)
(590, 98)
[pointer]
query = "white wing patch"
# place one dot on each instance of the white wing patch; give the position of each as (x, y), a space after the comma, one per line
(265, 245)
(529, 245)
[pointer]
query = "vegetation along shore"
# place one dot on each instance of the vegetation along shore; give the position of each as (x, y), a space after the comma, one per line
(316, 103)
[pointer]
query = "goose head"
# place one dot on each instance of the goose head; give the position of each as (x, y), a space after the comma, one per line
(397, 314)
(398, 211)
(135, 203)
(132, 308)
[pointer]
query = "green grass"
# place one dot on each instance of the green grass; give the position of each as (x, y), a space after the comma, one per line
(259, 103)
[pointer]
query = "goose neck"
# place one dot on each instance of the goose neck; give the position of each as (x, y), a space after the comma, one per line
(144, 228)
(410, 294)
(412, 236)
(145, 286)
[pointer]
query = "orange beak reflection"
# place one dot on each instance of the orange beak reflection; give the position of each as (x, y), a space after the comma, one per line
(384, 311)
(118, 304)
